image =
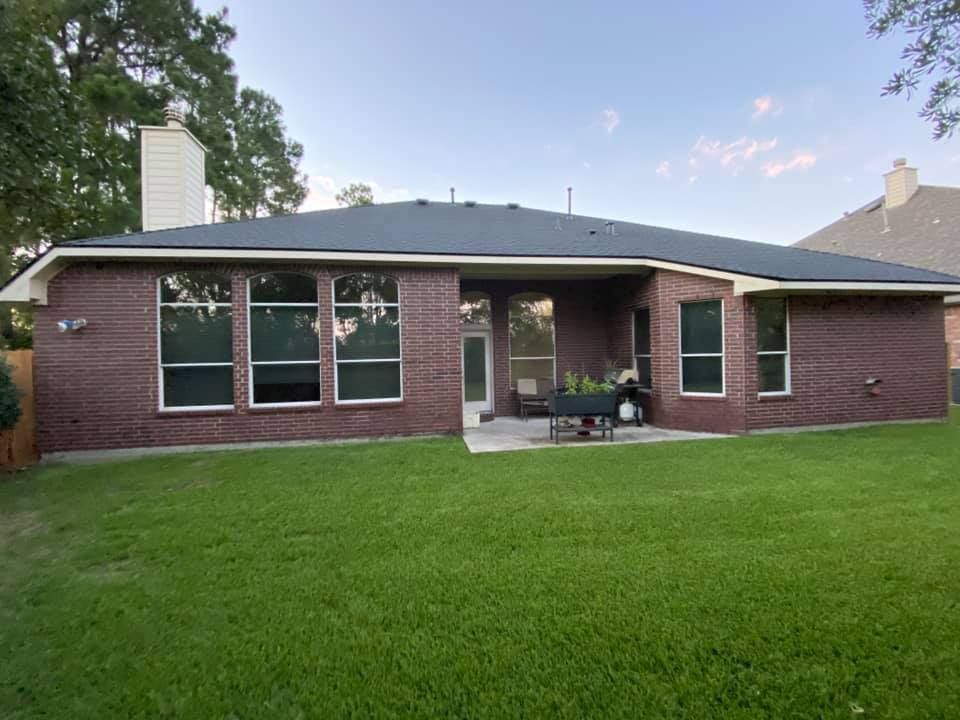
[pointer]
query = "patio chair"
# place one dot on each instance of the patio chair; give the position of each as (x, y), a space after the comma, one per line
(533, 395)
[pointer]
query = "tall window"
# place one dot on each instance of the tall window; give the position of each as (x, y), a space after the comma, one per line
(284, 343)
(196, 341)
(532, 346)
(366, 314)
(641, 347)
(701, 348)
(773, 345)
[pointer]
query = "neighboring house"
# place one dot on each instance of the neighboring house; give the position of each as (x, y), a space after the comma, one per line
(399, 318)
(911, 224)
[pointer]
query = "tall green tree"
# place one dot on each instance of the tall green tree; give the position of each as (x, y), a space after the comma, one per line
(932, 55)
(263, 173)
(355, 195)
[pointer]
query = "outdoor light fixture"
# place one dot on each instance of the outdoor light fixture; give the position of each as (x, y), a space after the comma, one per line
(71, 325)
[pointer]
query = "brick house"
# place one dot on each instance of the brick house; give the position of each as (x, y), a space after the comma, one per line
(400, 318)
(910, 224)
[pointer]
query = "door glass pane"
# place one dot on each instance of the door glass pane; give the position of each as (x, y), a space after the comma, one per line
(195, 335)
(703, 375)
(474, 369)
(368, 381)
(701, 327)
(531, 369)
(283, 333)
(367, 333)
(475, 309)
(286, 383)
(194, 386)
(771, 324)
(773, 373)
(644, 372)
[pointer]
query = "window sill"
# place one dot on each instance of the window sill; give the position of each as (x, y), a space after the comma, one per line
(284, 409)
(196, 412)
(773, 397)
(702, 396)
(371, 405)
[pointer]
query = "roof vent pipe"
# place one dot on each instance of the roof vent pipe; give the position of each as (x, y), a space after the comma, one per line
(452, 192)
(569, 202)
(610, 228)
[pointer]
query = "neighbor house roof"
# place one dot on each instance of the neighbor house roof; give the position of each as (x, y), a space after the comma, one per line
(924, 232)
(475, 234)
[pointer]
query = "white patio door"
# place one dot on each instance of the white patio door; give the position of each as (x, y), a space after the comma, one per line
(477, 371)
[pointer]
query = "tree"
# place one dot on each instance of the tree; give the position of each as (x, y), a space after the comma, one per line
(355, 195)
(9, 397)
(262, 176)
(934, 26)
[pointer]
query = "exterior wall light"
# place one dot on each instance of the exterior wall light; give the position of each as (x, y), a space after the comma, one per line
(71, 325)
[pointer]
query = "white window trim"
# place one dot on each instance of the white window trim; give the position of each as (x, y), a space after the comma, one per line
(633, 348)
(721, 355)
(161, 365)
(250, 362)
(553, 337)
(337, 362)
(787, 375)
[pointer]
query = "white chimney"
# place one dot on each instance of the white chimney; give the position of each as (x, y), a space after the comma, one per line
(172, 175)
(901, 184)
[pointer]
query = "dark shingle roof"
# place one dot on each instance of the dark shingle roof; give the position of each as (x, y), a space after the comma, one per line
(925, 232)
(443, 228)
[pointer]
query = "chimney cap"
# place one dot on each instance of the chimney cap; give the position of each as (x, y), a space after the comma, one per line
(173, 115)
(900, 162)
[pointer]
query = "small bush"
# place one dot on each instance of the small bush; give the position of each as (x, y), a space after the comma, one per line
(9, 397)
(574, 385)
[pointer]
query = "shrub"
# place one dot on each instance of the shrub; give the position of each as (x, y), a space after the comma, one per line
(574, 385)
(9, 397)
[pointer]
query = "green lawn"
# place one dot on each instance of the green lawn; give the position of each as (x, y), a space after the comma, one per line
(800, 576)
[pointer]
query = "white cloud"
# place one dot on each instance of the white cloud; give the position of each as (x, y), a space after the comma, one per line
(799, 161)
(323, 189)
(731, 155)
(766, 105)
(610, 121)
(692, 179)
(663, 169)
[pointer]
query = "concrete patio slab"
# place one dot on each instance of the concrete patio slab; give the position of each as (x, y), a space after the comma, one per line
(507, 433)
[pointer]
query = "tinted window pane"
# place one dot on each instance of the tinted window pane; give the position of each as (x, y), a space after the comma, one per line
(703, 375)
(532, 369)
(701, 327)
(283, 333)
(195, 386)
(771, 323)
(367, 333)
(531, 326)
(368, 381)
(194, 287)
(475, 309)
(367, 288)
(195, 335)
(643, 372)
(283, 288)
(286, 383)
(641, 331)
(474, 369)
(773, 373)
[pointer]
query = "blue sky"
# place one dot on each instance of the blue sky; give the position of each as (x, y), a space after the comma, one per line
(755, 119)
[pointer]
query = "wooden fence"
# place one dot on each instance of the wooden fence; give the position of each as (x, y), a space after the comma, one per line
(18, 447)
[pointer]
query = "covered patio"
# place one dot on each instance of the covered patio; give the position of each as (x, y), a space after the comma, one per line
(511, 433)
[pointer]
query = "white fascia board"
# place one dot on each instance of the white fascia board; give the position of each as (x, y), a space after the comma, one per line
(952, 300)
(31, 285)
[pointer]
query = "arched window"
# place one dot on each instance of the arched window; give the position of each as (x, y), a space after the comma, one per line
(284, 342)
(366, 328)
(475, 309)
(532, 347)
(196, 341)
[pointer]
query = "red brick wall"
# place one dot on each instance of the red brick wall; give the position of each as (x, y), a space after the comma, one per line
(836, 343)
(580, 309)
(952, 315)
(99, 388)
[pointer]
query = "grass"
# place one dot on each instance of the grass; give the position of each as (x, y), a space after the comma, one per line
(795, 576)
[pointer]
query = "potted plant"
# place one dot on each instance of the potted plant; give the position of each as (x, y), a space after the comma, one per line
(583, 397)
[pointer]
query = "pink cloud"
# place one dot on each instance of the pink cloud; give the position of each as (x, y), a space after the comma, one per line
(766, 105)
(730, 155)
(800, 160)
(663, 169)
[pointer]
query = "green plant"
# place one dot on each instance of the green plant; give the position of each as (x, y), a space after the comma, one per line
(574, 385)
(9, 397)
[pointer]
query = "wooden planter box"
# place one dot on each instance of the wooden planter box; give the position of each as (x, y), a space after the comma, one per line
(580, 405)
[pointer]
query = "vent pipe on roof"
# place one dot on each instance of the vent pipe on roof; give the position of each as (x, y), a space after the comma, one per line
(452, 193)
(610, 228)
(569, 202)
